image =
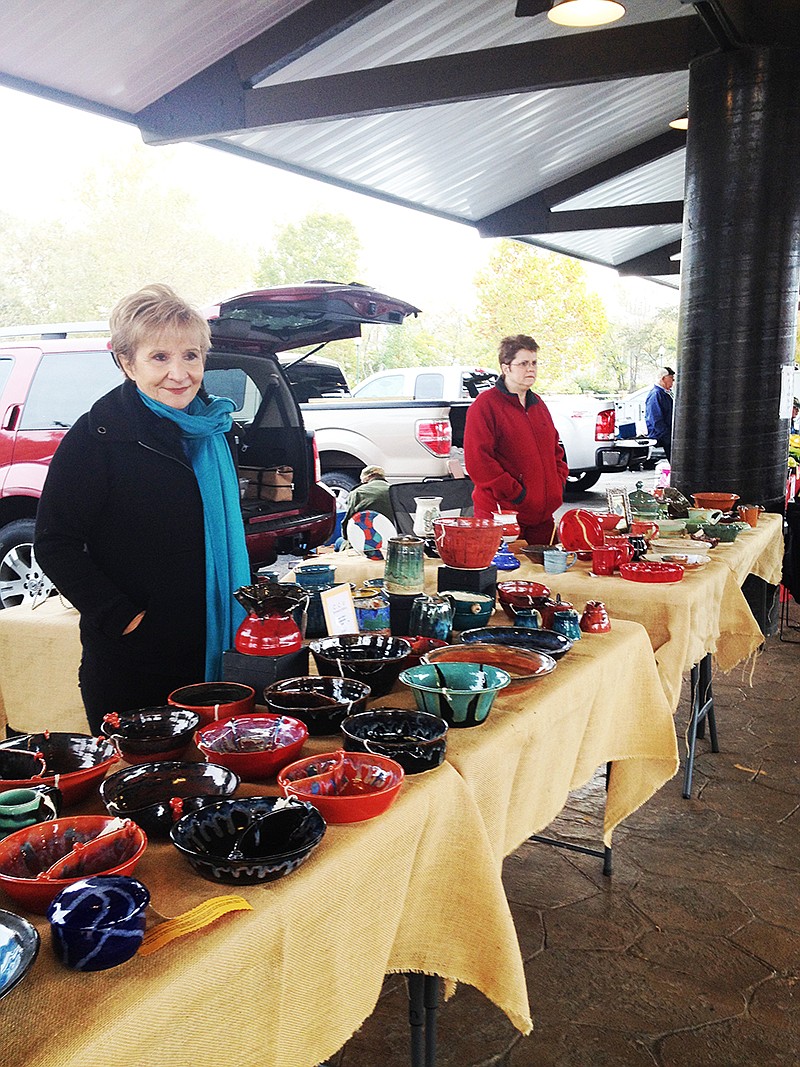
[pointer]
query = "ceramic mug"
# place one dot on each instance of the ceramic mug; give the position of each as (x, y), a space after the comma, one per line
(556, 560)
(527, 618)
(704, 515)
(567, 622)
(749, 513)
(604, 560)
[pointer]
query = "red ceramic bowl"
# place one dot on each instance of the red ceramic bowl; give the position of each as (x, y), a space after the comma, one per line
(722, 501)
(520, 594)
(215, 700)
(644, 571)
(467, 544)
(253, 746)
(26, 854)
(78, 761)
(344, 786)
(608, 521)
(580, 530)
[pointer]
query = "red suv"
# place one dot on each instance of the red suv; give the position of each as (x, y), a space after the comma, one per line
(46, 384)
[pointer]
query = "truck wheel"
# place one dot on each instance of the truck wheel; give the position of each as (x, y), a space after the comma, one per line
(341, 483)
(22, 580)
(579, 483)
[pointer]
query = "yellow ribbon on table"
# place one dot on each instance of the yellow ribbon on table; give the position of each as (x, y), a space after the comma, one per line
(204, 914)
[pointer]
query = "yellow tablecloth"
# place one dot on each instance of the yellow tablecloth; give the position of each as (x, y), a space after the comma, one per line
(417, 889)
(757, 551)
(40, 651)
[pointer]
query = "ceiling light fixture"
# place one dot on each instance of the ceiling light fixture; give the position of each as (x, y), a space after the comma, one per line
(681, 123)
(585, 12)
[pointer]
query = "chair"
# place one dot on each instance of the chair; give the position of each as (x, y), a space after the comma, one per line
(368, 532)
(456, 494)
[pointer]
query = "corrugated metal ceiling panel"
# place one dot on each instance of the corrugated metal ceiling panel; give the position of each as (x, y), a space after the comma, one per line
(612, 246)
(651, 184)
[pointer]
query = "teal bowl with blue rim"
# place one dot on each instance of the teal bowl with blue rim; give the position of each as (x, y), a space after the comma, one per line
(460, 693)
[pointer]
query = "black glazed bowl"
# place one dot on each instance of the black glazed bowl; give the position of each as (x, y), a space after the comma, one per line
(285, 833)
(321, 702)
(17, 768)
(554, 644)
(414, 739)
(155, 795)
(150, 734)
(371, 658)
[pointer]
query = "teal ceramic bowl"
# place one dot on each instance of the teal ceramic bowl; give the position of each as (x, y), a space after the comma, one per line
(724, 531)
(460, 693)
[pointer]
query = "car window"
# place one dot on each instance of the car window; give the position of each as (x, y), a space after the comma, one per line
(6, 366)
(315, 381)
(65, 385)
(238, 386)
(430, 386)
(391, 385)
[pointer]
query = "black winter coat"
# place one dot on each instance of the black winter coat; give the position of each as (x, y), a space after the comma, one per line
(120, 530)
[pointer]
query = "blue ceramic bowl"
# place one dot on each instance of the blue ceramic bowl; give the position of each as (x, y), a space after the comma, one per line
(97, 923)
(19, 947)
(280, 836)
(414, 739)
(460, 693)
(555, 645)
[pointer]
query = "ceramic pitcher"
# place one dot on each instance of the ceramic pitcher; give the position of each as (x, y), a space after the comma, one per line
(427, 511)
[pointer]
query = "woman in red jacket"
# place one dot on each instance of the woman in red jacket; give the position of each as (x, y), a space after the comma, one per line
(511, 447)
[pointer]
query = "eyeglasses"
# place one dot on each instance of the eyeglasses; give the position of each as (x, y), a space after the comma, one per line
(524, 364)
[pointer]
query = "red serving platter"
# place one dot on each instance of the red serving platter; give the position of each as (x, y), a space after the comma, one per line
(579, 530)
(644, 571)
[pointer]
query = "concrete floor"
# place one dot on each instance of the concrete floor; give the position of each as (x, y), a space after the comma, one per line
(690, 954)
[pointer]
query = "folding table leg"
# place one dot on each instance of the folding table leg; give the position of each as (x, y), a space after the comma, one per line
(416, 1018)
(432, 985)
(702, 710)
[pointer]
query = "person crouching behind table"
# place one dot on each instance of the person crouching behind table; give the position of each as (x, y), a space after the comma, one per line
(139, 523)
(511, 447)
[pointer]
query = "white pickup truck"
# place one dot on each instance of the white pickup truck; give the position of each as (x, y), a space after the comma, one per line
(586, 424)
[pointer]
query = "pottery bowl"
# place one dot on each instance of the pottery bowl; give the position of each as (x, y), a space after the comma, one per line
(548, 641)
(78, 761)
(465, 543)
(98, 922)
(321, 702)
(469, 609)
(535, 553)
(73, 848)
(248, 840)
(420, 646)
(375, 659)
(344, 786)
(19, 947)
(155, 795)
(150, 734)
(416, 740)
(253, 746)
(215, 700)
(671, 527)
(461, 693)
(608, 520)
(23, 807)
(519, 594)
(524, 665)
(722, 501)
(724, 531)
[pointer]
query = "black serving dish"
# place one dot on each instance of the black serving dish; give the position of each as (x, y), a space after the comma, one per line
(150, 734)
(155, 795)
(414, 739)
(322, 702)
(372, 658)
(249, 840)
(555, 645)
(19, 947)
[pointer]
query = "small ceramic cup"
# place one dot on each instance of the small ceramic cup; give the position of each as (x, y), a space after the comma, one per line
(556, 560)
(604, 560)
(567, 622)
(98, 922)
(749, 513)
(24, 807)
(528, 618)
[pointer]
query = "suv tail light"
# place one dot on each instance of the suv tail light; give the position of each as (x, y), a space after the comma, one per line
(436, 436)
(317, 464)
(605, 425)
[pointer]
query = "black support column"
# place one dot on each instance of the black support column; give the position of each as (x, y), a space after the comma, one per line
(739, 273)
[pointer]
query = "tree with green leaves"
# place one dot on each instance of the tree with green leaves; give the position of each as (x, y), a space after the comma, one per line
(526, 290)
(321, 247)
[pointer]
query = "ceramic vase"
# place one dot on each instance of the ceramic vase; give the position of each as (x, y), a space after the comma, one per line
(404, 571)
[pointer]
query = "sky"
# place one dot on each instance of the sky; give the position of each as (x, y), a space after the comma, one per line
(409, 254)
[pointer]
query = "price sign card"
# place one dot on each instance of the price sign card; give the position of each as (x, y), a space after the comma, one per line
(339, 610)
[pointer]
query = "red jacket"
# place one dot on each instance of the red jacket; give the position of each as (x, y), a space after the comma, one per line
(513, 456)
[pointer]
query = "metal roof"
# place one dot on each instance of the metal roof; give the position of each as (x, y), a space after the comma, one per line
(510, 124)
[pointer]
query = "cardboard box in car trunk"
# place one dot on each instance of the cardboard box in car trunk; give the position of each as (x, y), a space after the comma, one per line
(268, 483)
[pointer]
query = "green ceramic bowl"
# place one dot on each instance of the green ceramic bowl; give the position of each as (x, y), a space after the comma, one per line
(724, 531)
(460, 693)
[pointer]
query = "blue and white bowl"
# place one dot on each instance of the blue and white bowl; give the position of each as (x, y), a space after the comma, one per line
(98, 922)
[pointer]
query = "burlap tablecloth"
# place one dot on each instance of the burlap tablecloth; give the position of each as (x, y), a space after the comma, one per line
(417, 889)
(40, 651)
(757, 551)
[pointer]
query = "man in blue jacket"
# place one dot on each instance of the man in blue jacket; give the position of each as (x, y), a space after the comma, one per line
(658, 410)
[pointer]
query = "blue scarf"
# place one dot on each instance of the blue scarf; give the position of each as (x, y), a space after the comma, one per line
(203, 426)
